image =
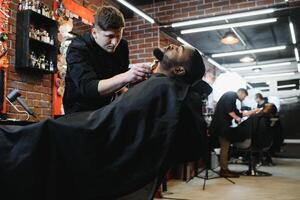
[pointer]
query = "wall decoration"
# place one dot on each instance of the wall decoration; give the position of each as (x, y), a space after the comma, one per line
(4, 16)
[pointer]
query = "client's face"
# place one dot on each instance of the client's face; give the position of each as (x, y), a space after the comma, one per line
(180, 61)
(178, 55)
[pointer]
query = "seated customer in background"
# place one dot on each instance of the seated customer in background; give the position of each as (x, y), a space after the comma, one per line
(257, 130)
(117, 150)
(260, 100)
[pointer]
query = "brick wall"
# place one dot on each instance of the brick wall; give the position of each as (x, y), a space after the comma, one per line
(35, 88)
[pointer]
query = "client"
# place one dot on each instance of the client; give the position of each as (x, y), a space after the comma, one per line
(116, 150)
(256, 131)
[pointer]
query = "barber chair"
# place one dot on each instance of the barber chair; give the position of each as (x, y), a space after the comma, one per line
(254, 155)
(259, 144)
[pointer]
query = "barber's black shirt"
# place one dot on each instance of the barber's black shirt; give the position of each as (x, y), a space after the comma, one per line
(221, 119)
(87, 64)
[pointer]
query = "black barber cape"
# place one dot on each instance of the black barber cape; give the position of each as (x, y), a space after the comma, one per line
(257, 128)
(104, 154)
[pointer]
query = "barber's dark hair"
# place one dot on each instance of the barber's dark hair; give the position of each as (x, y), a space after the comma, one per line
(195, 67)
(108, 17)
(259, 95)
(243, 90)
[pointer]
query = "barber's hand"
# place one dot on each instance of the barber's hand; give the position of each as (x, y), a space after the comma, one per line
(238, 120)
(257, 110)
(138, 72)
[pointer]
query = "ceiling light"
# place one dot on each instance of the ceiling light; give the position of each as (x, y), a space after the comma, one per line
(137, 11)
(292, 30)
(268, 82)
(262, 88)
(296, 54)
(298, 66)
(229, 38)
(243, 52)
(224, 17)
(270, 75)
(287, 86)
(225, 26)
(260, 66)
(217, 65)
(187, 44)
(256, 70)
(249, 86)
(247, 59)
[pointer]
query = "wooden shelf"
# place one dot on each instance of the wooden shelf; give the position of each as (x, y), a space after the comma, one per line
(39, 42)
(25, 44)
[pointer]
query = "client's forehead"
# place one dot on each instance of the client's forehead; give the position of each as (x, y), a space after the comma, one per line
(188, 51)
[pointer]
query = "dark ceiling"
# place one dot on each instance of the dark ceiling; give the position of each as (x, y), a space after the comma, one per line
(254, 36)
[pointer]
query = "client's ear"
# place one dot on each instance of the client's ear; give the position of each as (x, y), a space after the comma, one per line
(178, 71)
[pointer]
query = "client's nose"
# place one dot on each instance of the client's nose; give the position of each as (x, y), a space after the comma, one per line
(171, 47)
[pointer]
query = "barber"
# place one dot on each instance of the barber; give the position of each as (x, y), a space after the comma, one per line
(97, 64)
(226, 111)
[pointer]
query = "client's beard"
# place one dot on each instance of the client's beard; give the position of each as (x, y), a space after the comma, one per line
(158, 54)
(165, 62)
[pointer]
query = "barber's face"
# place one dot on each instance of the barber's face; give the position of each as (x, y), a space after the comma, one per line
(241, 96)
(108, 40)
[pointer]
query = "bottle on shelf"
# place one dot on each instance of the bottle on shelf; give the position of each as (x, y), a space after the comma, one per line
(52, 40)
(3, 37)
(47, 65)
(20, 5)
(51, 66)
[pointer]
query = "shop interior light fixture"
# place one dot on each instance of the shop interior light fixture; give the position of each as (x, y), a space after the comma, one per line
(137, 11)
(257, 69)
(296, 54)
(262, 88)
(292, 30)
(260, 66)
(232, 25)
(249, 86)
(217, 65)
(179, 39)
(270, 75)
(246, 59)
(287, 86)
(229, 38)
(243, 52)
(224, 17)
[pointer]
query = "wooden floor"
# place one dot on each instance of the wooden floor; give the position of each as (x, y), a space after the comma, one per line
(283, 185)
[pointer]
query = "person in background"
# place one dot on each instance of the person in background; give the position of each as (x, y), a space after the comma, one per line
(97, 64)
(260, 100)
(226, 111)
